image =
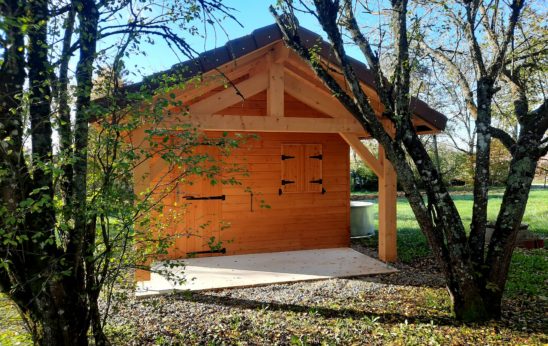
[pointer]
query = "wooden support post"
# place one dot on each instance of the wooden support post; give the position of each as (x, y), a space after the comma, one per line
(387, 210)
(275, 90)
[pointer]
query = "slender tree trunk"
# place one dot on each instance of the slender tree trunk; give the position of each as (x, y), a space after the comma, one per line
(88, 16)
(12, 79)
(64, 121)
(481, 173)
(514, 202)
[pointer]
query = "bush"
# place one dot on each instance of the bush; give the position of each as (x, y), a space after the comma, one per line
(363, 179)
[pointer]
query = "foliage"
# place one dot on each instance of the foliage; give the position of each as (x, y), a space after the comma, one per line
(542, 171)
(475, 278)
(363, 178)
(499, 163)
(264, 321)
(69, 216)
(454, 165)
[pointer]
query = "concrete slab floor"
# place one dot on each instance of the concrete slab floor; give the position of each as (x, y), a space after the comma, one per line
(260, 269)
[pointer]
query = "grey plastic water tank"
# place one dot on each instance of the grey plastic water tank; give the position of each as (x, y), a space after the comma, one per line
(361, 219)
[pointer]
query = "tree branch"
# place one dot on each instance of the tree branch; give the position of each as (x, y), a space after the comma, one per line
(498, 62)
(460, 78)
(538, 118)
(469, 30)
(372, 59)
(292, 39)
(503, 137)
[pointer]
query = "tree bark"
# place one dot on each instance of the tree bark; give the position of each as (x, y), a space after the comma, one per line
(481, 176)
(439, 220)
(520, 177)
(12, 80)
(88, 16)
(64, 121)
(59, 321)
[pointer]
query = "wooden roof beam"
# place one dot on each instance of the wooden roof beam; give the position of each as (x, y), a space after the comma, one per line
(231, 96)
(313, 96)
(216, 122)
(275, 90)
(363, 152)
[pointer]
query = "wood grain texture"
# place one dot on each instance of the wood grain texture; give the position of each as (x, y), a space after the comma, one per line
(259, 218)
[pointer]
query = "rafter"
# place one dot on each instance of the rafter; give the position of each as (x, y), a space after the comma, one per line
(363, 152)
(231, 96)
(217, 78)
(313, 96)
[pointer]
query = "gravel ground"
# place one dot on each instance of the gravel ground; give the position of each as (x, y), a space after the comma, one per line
(408, 307)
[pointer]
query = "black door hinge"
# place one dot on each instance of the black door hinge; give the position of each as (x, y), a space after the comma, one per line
(317, 157)
(285, 182)
(287, 157)
(193, 198)
(317, 181)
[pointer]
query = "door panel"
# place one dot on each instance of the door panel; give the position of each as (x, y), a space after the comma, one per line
(201, 221)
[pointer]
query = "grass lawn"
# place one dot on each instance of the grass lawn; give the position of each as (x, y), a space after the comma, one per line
(397, 309)
(412, 244)
(529, 269)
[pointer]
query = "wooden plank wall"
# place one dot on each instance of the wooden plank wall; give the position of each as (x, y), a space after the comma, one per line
(290, 221)
(267, 221)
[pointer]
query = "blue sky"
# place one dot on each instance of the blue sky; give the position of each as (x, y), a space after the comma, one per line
(252, 14)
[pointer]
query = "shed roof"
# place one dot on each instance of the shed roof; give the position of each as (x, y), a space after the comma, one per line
(262, 37)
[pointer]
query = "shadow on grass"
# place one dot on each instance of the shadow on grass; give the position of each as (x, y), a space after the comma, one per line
(386, 318)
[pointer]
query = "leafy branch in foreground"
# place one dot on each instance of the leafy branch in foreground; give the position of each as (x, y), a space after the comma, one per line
(67, 209)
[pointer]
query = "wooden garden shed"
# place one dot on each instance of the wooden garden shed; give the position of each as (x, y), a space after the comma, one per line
(299, 164)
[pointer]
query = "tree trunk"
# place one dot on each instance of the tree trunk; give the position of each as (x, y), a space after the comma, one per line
(59, 315)
(98, 333)
(476, 240)
(469, 305)
(439, 220)
(514, 202)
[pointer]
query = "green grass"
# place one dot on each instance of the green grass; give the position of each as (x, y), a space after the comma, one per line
(12, 331)
(375, 319)
(529, 269)
(412, 244)
(535, 214)
(528, 273)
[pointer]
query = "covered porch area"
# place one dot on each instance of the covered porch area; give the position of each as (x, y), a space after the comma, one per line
(259, 269)
(298, 166)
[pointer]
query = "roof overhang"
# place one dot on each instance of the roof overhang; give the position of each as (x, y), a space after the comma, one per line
(212, 60)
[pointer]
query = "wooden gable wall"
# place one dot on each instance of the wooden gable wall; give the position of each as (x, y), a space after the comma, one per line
(284, 105)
